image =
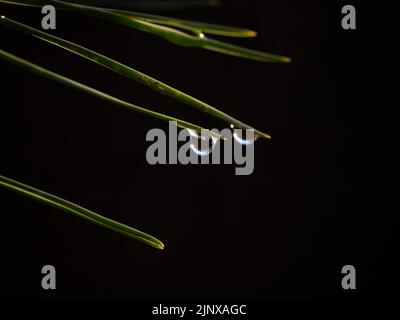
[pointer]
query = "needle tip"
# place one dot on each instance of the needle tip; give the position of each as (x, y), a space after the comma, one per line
(264, 135)
(160, 246)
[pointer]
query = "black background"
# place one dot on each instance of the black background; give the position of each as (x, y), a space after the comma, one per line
(309, 208)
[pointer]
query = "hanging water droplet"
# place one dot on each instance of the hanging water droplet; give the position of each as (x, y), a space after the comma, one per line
(205, 139)
(240, 140)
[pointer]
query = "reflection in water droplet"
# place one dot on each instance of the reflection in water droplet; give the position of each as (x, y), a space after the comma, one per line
(242, 141)
(204, 140)
(201, 35)
(232, 126)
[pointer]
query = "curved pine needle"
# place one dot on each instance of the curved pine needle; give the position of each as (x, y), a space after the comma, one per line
(194, 26)
(152, 4)
(8, 57)
(170, 5)
(196, 41)
(136, 4)
(199, 40)
(129, 73)
(59, 203)
(175, 36)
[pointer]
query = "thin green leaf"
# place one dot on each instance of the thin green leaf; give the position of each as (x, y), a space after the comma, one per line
(129, 73)
(82, 213)
(173, 35)
(8, 57)
(194, 26)
(152, 4)
(28, 3)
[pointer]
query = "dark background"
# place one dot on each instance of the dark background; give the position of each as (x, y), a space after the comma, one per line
(309, 208)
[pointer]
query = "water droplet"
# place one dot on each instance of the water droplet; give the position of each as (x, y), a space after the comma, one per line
(204, 139)
(201, 35)
(246, 141)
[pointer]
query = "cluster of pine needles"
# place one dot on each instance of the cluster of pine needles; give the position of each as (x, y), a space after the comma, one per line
(178, 31)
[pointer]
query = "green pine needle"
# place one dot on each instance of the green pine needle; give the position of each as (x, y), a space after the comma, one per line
(131, 74)
(51, 200)
(29, 66)
(164, 27)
